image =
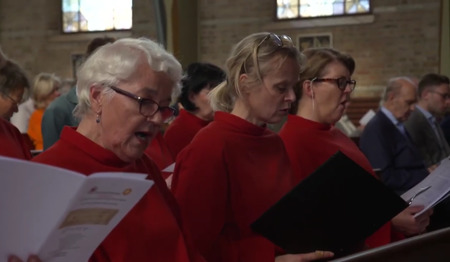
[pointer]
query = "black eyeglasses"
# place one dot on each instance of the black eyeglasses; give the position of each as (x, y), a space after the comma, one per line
(148, 107)
(16, 103)
(341, 82)
(277, 41)
(444, 96)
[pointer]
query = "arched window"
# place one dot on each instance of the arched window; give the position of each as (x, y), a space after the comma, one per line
(98, 15)
(298, 9)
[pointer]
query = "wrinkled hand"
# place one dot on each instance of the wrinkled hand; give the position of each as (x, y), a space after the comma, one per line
(305, 257)
(31, 258)
(405, 222)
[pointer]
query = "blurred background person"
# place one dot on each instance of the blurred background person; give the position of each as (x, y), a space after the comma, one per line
(13, 83)
(198, 81)
(45, 89)
(235, 168)
(13, 86)
(60, 112)
(423, 124)
(386, 142)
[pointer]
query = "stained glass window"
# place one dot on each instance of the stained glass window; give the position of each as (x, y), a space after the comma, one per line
(291, 9)
(98, 15)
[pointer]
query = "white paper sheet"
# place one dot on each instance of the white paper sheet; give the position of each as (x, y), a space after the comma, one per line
(437, 185)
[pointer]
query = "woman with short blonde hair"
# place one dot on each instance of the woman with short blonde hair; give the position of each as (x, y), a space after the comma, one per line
(45, 89)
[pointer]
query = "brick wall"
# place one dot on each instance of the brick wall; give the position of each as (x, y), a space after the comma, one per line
(402, 39)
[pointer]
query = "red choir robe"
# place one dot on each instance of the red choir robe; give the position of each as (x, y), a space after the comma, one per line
(12, 143)
(151, 230)
(181, 131)
(309, 144)
(227, 177)
(160, 154)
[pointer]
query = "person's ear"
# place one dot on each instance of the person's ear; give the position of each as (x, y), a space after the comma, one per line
(96, 97)
(425, 94)
(192, 97)
(243, 83)
(308, 89)
(391, 96)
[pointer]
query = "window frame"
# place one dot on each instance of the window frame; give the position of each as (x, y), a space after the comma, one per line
(61, 27)
(275, 17)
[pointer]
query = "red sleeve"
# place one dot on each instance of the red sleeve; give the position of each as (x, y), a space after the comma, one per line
(12, 142)
(200, 186)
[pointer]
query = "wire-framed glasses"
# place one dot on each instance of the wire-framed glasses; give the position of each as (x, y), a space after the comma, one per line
(148, 107)
(341, 82)
(444, 96)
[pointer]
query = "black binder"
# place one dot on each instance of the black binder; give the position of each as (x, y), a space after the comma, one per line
(335, 208)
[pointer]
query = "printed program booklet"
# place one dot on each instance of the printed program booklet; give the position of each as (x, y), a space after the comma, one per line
(58, 214)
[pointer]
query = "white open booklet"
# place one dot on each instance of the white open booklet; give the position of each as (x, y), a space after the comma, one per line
(58, 214)
(433, 189)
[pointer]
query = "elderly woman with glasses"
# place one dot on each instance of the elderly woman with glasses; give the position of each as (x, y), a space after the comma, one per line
(235, 168)
(124, 91)
(310, 136)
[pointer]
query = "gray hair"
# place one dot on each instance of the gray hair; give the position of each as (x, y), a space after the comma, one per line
(118, 61)
(393, 86)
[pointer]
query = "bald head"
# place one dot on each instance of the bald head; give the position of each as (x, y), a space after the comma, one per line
(399, 97)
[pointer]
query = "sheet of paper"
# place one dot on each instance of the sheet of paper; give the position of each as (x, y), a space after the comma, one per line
(170, 168)
(96, 210)
(432, 189)
(59, 214)
(366, 118)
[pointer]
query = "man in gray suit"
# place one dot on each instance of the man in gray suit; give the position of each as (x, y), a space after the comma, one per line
(423, 126)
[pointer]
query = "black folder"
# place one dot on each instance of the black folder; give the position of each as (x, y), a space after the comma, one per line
(335, 208)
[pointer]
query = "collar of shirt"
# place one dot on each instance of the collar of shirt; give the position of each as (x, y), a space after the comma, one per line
(391, 117)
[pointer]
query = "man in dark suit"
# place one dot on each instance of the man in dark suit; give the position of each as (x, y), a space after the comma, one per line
(386, 143)
(422, 125)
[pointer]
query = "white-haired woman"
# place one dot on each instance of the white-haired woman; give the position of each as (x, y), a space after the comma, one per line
(124, 92)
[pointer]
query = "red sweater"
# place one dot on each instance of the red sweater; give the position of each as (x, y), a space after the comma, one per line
(12, 143)
(181, 131)
(151, 231)
(309, 144)
(229, 174)
(160, 154)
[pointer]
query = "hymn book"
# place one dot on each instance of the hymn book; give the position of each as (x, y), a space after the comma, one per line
(61, 215)
(335, 209)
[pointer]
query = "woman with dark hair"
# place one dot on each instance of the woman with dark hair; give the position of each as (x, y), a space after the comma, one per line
(13, 83)
(196, 113)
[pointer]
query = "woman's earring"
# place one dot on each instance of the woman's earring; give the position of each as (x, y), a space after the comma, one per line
(97, 119)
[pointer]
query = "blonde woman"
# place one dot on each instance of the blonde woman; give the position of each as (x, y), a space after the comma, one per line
(235, 168)
(45, 90)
